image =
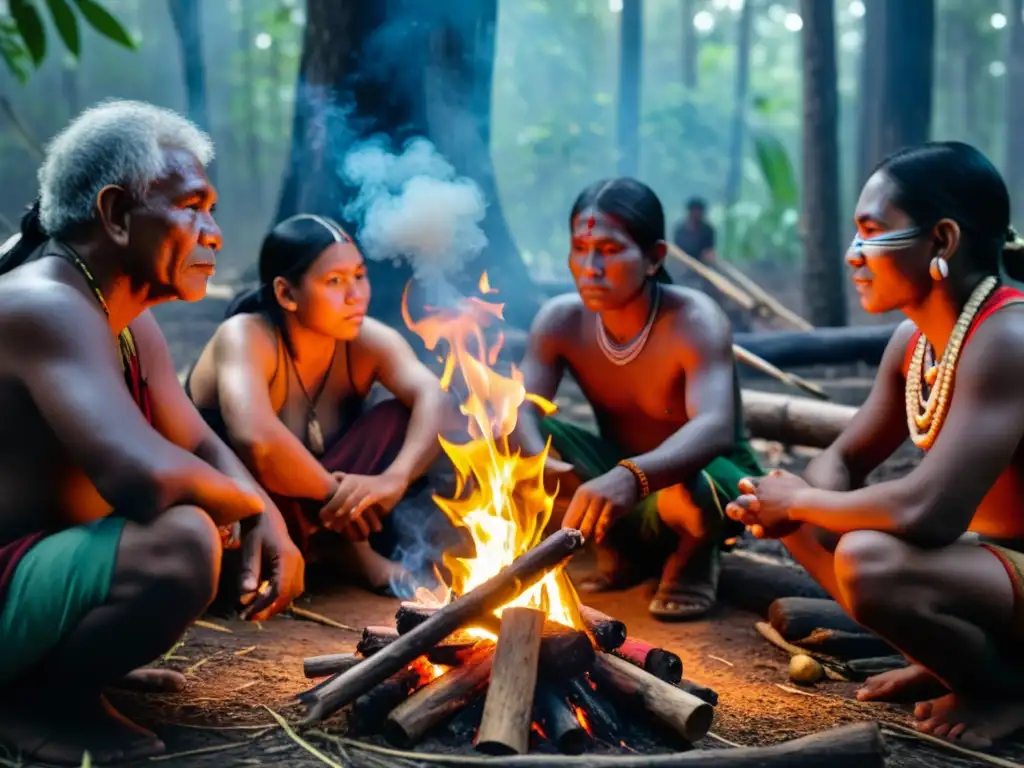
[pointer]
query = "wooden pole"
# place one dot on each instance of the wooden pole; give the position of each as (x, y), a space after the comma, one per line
(663, 664)
(488, 597)
(439, 699)
(687, 715)
(330, 664)
(794, 420)
(508, 708)
(558, 720)
(608, 633)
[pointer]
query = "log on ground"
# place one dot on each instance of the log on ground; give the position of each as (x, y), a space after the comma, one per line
(608, 633)
(508, 708)
(512, 581)
(687, 715)
(663, 664)
(754, 582)
(850, 746)
(822, 346)
(440, 699)
(794, 420)
(845, 645)
(823, 626)
(329, 664)
(558, 720)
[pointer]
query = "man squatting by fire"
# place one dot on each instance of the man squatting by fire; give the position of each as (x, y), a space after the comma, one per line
(284, 381)
(114, 487)
(655, 362)
(933, 561)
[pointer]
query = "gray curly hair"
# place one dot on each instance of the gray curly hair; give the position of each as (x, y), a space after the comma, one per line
(115, 142)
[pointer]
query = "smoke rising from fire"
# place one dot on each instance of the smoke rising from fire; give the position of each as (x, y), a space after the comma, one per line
(414, 206)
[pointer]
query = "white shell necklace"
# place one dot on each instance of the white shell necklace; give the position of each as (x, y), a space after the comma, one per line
(624, 354)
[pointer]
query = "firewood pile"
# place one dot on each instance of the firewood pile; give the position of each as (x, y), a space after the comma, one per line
(541, 684)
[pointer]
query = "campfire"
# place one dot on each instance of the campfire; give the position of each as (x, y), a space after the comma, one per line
(509, 630)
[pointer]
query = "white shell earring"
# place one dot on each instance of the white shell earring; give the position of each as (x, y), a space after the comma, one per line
(938, 269)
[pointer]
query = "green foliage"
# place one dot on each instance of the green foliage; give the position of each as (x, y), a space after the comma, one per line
(23, 34)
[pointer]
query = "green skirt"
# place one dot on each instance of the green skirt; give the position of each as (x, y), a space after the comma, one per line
(711, 489)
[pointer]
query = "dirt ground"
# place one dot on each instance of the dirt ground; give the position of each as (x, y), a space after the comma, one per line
(241, 675)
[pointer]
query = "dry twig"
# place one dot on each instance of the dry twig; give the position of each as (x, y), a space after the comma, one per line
(302, 613)
(301, 741)
(211, 625)
(902, 730)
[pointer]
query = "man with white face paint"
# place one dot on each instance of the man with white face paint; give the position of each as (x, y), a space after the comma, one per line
(114, 487)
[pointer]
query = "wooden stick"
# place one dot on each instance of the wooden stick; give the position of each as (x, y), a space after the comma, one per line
(663, 664)
(488, 597)
(372, 707)
(600, 715)
(439, 699)
(834, 669)
(702, 692)
(721, 282)
(748, 358)
(508, 708)
(563, 651)
(687, 715)
(559, 721)
(329, 664)
(768, 301)
(609, 633)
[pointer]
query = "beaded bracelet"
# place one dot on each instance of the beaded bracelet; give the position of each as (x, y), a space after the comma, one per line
(641, 478)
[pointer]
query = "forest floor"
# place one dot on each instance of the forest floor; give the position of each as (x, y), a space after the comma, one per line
(238, 672)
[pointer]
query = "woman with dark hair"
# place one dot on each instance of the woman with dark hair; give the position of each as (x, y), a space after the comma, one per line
(655, 362)
(284, 381)
(938, 553)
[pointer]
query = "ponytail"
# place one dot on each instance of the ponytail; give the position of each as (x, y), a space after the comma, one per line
(1013, 255)
(17, 250)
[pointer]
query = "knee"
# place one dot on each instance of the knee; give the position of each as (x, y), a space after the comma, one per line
(678, 510)
(869, 569)
(183, 558)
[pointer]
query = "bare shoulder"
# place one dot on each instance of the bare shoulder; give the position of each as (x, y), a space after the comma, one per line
(994, 355)
(558, 315)
(698, 321)
(251, 335)
(377, 337)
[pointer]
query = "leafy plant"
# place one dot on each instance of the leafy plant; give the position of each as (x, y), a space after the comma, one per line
(23, 33)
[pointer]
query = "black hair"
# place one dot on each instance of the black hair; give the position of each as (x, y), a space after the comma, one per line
(288, 251)
(634, 205)
(32, 236)
(953, 180)
(696, 202)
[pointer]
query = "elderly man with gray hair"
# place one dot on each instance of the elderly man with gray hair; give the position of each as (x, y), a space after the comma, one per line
(113, 486)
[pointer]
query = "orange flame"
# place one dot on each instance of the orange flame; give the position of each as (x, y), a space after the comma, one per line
(581, 718)
(500, 497)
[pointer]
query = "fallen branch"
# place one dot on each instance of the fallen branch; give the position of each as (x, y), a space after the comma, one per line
(794, 420)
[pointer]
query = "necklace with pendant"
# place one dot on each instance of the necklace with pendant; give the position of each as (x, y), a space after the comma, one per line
(314, 433)
(623, 354)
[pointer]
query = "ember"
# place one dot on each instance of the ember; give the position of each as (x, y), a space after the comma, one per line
(510, 610)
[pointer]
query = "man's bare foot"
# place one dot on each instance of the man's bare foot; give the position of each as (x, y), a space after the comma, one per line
(152, 680)
(912, 683)
(61, 733)
(688, 584)
(972, 722)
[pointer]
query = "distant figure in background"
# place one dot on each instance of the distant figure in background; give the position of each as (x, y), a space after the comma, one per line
(694, 235)
(655, 362)
(932, 561)
(284, 380)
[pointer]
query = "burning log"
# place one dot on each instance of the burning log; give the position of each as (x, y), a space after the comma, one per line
(447, 652)
(373, 706)
(330, 664)
(702, 692)
(508, 708)
(522, 574)
(602, 719)
(560, 722)
(608, 633)
(687, 715)
(663, 664)
(440, 699)
(563, 651)
(375, 639)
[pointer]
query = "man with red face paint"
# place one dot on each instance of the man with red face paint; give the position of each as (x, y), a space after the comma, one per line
(655, 363)
(113, 487)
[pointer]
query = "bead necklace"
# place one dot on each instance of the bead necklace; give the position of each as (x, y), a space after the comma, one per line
(623, 354)
(925, 415)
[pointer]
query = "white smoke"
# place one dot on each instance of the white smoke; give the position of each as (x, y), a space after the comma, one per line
(413, 206)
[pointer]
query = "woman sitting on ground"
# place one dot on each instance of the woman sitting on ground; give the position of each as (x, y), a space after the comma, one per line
(933, 232)
(284, 380)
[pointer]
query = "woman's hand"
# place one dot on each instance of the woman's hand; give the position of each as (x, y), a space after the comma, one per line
(360, 502)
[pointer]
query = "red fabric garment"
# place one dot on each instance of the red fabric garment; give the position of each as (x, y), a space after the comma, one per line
(12, 552)
(1001, 297)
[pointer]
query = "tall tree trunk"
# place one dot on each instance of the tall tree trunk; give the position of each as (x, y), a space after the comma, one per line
(252, 145)
(691, 47)
(402, 69)
(1015, 109)
(905, 109)
(631, 30)
(188, 27)
(823, 275)
(734, 179)
(872, 75)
